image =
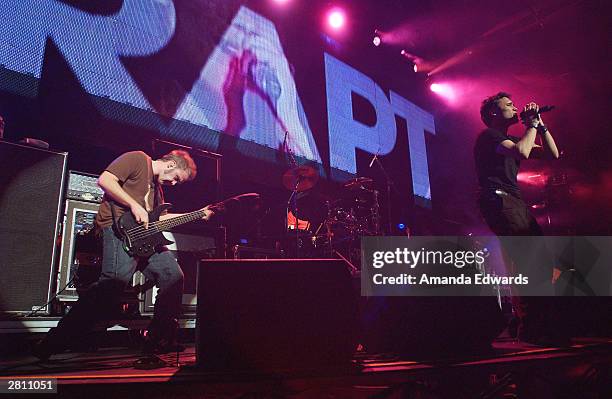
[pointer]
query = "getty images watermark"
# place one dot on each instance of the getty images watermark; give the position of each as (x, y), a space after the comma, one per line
(480, 266)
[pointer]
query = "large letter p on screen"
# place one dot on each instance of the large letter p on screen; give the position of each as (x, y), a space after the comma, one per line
(345, 133)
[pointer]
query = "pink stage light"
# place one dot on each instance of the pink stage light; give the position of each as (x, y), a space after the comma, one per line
(532, 178)
(336, 19)
(444, 90)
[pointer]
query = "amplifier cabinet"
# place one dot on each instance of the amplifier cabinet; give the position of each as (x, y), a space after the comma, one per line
(79, 252)
(31, 187)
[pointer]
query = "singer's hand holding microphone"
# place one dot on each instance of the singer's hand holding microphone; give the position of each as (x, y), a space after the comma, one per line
(530, 116)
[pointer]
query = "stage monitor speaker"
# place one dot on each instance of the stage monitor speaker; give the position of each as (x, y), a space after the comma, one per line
(31, 188)
(282, 314)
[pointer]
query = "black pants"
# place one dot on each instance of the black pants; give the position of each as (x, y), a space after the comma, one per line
(507, 215)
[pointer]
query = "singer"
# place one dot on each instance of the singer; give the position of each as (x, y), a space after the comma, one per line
(498, 156)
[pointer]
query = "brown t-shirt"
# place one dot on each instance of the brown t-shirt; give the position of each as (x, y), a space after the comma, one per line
(135, 173)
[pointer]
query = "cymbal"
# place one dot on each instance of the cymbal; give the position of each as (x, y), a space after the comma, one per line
(304, 176)
(359, 183)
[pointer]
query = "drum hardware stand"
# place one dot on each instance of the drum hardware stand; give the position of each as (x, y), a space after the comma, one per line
(293, 199)
(328, 234)
(376, 213)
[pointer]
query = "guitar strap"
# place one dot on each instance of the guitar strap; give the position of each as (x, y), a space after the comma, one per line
(111, 203)
(158, 198)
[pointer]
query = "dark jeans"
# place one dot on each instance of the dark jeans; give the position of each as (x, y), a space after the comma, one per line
(507, 215)
(103, 296)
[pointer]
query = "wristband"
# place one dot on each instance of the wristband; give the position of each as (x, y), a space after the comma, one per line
(542, 129)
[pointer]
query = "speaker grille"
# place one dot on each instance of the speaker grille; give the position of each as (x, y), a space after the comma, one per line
(31, 186)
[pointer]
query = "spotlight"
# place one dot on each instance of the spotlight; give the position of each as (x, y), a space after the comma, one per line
(444, 90)
(336, 19)
(401, 226)
(414, 60)
(377, 38)
(435, 87)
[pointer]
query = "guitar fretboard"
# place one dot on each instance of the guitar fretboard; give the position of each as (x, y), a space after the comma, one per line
(139, 233)
(167, 224)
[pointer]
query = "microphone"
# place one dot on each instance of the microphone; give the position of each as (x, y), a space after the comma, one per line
(373, 159)
(545, 108)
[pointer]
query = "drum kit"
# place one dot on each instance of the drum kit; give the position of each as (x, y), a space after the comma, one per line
(335, 225)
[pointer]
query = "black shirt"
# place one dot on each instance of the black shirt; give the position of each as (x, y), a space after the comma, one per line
(495, 171)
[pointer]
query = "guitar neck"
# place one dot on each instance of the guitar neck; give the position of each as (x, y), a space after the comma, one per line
(167, 224)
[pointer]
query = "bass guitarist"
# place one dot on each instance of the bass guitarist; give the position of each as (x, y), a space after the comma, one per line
(131, 183)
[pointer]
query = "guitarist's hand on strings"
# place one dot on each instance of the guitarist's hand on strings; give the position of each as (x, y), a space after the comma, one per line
(208, 212)
(140, 214)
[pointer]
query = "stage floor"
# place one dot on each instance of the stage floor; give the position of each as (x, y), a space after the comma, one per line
(511, 365)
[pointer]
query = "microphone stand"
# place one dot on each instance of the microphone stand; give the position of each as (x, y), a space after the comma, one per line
(389, 184)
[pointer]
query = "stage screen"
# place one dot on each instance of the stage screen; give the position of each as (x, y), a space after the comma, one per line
(215, 75)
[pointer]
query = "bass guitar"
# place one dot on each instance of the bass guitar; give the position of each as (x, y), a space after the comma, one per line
(142, 242)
